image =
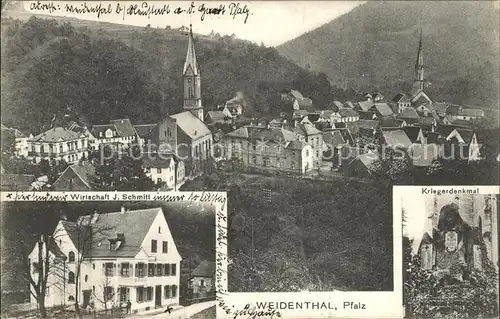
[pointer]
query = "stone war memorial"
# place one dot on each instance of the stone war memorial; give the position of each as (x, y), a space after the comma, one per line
(453, 267)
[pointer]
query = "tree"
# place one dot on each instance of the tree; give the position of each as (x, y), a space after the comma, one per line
(106, 295)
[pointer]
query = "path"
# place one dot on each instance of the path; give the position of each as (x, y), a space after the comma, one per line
(184, 312)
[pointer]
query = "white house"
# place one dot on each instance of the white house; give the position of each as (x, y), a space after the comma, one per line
(20, 140)
(203, 279)
(123, 256)
(58, 143)
(118, 132)
(466, 139)
(166, 168)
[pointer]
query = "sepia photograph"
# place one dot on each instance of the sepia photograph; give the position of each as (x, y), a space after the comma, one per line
(109, 259)
(306, 113)
(450, 254)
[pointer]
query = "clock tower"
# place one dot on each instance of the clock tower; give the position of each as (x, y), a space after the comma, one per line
(192, 81)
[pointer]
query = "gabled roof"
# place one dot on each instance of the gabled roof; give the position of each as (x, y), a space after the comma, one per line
(465, 134)
(274, 134)
(191, 125)
(401, 98)
(56, 134)
(412, 132)
(346, 134)
(440, 107)
(16, 182)
(365, 106)
(12, 132)
(205, 269)
(396, 138)
(445, 130)
(241, 132)
(144, 130)
(368, 159)
(123, 127)
(101, 128)
(305, 102)
(157, 161)
(133, 224)
(384, 109)
(300, 113)
(333, 138)
(296, 94)
(306, 129)
(408, 113)
(215, 115)
(85, 171)
(338, 104)
(296, 145)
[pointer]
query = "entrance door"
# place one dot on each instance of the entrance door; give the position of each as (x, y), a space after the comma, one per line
(158, 296)
(86, 298)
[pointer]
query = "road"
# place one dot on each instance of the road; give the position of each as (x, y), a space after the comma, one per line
(185, 312)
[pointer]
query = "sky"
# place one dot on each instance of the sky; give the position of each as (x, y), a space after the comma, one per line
(270, 22)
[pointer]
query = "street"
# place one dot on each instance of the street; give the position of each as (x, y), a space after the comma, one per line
(181, 313)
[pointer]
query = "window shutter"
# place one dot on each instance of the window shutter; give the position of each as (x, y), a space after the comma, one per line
(133, 272)
(137, 292)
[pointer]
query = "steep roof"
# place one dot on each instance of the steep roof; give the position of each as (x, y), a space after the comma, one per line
(205, 269)
(384, 109)
(412, 132)
(445, 130)
(365, 105)
(157, 162)
(133, 224)
(440, 107)
(215, 115)
(123, 127)
(56, 134)
(16, 182)
(144, 130)
(401, 98)
(191, 64)
(408, 113)
(348, 113)
(346, 134)
(272, 134)
(304, 102)
(368, 159)
(296, 94)
(85, 171)
(306, 129)
(241, 132)
(333, 138)
(396, 138)
(191, 125)
(296, 145)
(466, 134)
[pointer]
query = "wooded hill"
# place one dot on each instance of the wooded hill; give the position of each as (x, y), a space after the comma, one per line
(94, 74)
(374, 46)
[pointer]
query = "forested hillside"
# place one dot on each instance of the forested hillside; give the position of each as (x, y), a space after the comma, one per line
(374, 46)
(94, 75)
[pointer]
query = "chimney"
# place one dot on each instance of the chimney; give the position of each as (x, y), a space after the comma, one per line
(123, 209)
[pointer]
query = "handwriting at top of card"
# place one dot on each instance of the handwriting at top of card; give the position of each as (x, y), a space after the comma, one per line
(145, 9)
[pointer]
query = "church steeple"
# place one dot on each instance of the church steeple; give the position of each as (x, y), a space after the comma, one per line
(192, 81)
(419, 66)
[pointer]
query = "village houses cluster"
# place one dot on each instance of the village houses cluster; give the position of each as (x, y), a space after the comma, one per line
(305, 139)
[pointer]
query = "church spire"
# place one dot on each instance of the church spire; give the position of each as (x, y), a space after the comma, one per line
(419, 66)
(192, 80)
(191, 61)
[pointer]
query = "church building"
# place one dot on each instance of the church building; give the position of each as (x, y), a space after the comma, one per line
(185, 134)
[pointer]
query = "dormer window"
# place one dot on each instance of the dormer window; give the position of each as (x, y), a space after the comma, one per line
(112, 245)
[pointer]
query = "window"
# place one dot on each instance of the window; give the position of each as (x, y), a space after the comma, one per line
(140, 294)
(125, 270)
(173, 271)
(153, 245)
(202, 283)
(71, 257)
(149, 294)
(265, 161)
(124, 294)
(166, 291)
(190, 92)
(93, 266)
(139, 270)
(158, 170)
(71, 277)
(112, 245)
(254, 159)
(86, 278)
(159, 270)
(165, 247)
(159, 230)
(174, 291)
(307, 153)
(166, 269)
(108, 269)
(108, 293)
(60, 149)
(151, 270)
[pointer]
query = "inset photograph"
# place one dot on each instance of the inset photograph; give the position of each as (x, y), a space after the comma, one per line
(450, 253)
(107, 259)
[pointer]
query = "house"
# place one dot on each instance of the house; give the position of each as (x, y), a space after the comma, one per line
(234, 107)
(268, 148)
(313, 137)
(441, 108)
(303, 104)
(203, 279)
(424, 155)
(164, 168)
(125, 255)
(463, 144)
(14, 137)
(375, 96)
(408, 114)
(468, 114)
(118, 134)
(60, 144)
(348, 153)
(334, 142)
(77, 177)
(144, 133)
(395, 138)
(291, 96)
(401, 101)
(424, 109)
(415, 134)
(77, 128)
(383, 110)
(364, 106)
(347, 115)
(17, 182)
(362, 165)
(213, 117)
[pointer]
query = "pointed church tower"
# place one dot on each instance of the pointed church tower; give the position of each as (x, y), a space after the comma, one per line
(419, 67)
(192, 81)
